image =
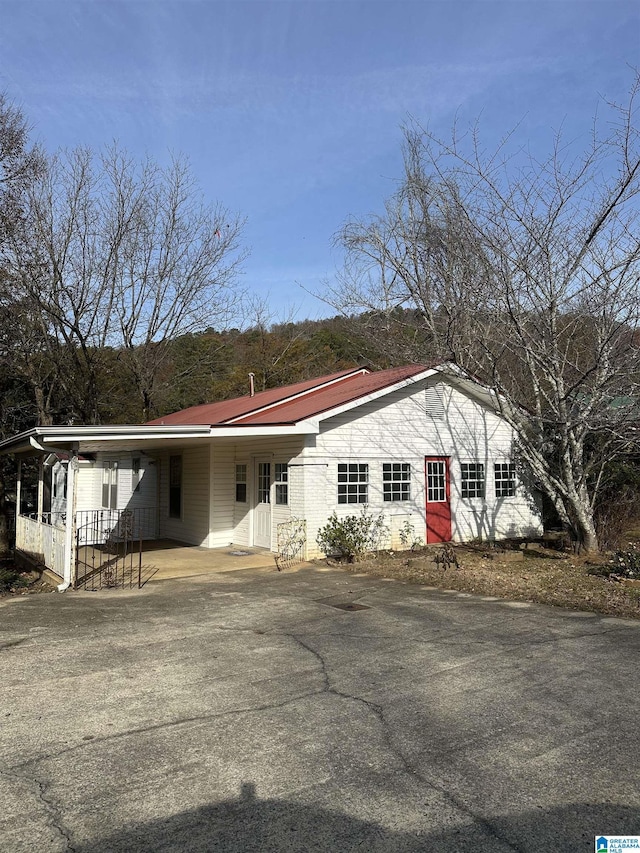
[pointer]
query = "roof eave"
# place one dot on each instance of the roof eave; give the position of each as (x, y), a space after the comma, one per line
(57, 436)
(381, 392)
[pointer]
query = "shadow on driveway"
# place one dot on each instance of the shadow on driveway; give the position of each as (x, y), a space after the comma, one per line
(250, 824)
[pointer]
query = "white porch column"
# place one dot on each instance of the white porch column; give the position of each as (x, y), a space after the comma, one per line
(40, 506)
(18, 487)
(69, 539)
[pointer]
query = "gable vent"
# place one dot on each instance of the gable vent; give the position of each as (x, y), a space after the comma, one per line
(434, 402)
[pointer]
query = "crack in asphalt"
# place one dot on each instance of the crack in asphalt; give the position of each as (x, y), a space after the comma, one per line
(8, 644)
(405, 764)
(55, 812)
(182, 721)
(52, 809)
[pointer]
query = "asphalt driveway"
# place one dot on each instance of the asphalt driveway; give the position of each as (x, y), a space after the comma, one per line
(246, 712)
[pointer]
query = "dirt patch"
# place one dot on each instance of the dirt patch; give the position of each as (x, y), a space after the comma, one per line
(14, 582)
(541, 576)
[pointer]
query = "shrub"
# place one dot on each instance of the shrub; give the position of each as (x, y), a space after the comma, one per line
(352, 536)
(626, 562)
(10, 577)
(408, 536)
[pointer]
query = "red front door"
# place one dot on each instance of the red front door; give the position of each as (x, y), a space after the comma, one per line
(438, 499)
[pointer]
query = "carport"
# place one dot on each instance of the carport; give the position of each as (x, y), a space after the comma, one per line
(157, 560)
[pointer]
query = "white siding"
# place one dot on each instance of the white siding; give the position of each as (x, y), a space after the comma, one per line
(311, 498)
(144, 499)
(193, 525)
(405, 426)
(222, 497)
(233, 521)
(88, 486)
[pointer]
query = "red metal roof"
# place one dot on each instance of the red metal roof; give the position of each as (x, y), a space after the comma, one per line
(293, 403)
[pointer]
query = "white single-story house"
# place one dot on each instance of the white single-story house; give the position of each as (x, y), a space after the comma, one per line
(425, 445)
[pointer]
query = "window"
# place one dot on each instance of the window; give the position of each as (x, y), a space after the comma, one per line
(175, 486)
(353, 483)
(59, 482)
(472, 479)
(505, 479)
(241, 483)
(135, 474)
(282, 483)
(264, 482)
(396, 481)
(436, 481)
(110, 485)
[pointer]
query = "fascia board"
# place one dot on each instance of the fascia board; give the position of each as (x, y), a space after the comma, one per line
(375, 395)
(305, 427)
(484, 394)
(70, 435)
(18, 443)
(122, 433)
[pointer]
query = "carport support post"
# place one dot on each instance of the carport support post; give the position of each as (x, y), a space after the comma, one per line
(40, 507)
(18, 492)
(40, 488)
(70, 539)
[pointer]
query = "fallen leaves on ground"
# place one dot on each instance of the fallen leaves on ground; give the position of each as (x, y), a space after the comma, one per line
(543, 577)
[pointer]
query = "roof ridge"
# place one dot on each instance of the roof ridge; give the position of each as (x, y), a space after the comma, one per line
(315, 382)
(307, 391)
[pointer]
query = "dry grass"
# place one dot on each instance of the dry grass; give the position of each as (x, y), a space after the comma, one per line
(545, 577)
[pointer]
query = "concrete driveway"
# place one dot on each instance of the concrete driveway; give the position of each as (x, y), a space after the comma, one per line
(246, 712)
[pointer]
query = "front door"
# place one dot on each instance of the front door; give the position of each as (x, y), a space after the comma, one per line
(262, 508)
(438, 499)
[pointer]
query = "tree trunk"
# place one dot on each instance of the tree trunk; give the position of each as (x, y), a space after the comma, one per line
(583, 527)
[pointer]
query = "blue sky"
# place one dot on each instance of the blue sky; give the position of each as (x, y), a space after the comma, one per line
(290, 112)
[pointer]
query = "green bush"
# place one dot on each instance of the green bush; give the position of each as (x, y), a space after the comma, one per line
(351, 536)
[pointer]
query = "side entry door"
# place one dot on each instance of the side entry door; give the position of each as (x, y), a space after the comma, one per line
(262, 506)
(438, 499)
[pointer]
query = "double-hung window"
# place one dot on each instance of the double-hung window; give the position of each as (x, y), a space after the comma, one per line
(472, 485)
(396, 481)
(110, 485)
(505, 476)
(353, 483)
(241, 483)
(282, 483)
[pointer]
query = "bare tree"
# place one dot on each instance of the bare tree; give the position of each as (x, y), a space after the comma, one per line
(526, 272)
(121, 255)
(20, 164)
